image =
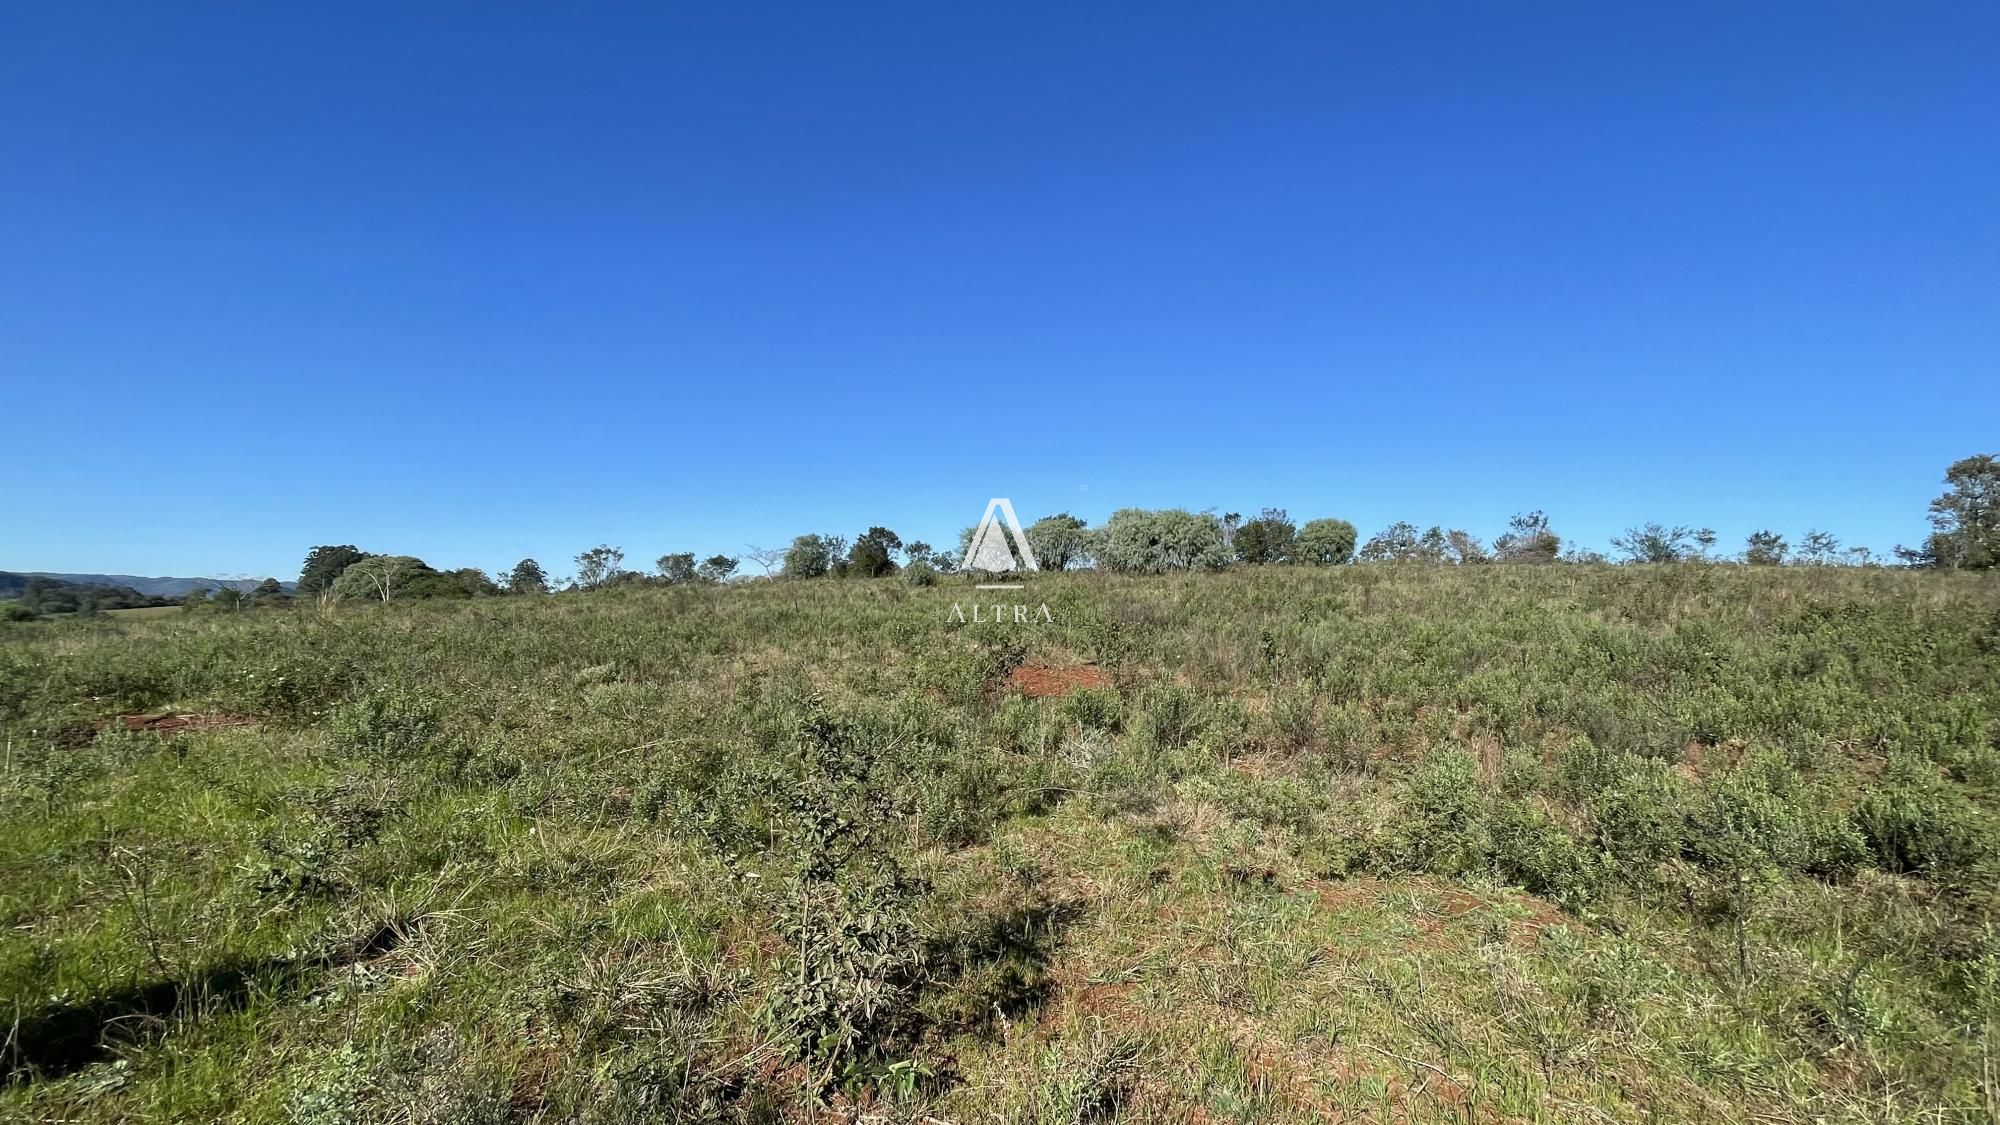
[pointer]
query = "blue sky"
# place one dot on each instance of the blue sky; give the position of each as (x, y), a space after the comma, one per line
(481, 281)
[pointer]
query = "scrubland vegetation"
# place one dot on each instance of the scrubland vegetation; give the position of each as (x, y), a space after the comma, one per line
(1560, 843)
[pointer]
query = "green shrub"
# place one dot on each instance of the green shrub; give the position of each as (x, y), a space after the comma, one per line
(1175, 715)
(388, 725)
(1637, 808)
(849, 913)
(1759, 817)
(1531, 849)
(1915, 823)
(1094, 709)
(1446, 830)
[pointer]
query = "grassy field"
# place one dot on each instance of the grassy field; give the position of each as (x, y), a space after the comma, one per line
(1365, 843)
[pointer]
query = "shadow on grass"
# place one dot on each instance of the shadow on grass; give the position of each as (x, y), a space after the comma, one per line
(996, 970)
(61, 1039)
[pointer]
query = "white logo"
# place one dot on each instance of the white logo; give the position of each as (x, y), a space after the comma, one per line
(989, 550)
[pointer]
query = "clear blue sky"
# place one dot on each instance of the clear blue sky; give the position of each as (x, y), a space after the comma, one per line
(480, 281)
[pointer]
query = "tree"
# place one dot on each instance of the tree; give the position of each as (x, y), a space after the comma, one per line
(811, 556)
(599, 566)
(1324, 542)
(1432, 546)
(1266, 540)
(1765, 548)
(716, 568)
(1656, 543)
(269, 590)
(1060, 542)
(1966, 519)
(1819, 548)
(770, 558)
(873, 555)
(465, 582)
(678, 569)
(381, 577)
(1528, 540)
(1399, 542)
(1156, 542)
(527, 578)
(1464, 548)
(323, 565)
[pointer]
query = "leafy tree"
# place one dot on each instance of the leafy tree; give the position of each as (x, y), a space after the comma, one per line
(1399, 542)
(599, 566)
(811, 556)
(715, 568)
(1765, 548)
(270, 589)
(465, 582)
(1464, 548)
(235, 599)
(1704, 540)
(1656, 543)
(1324, 542)
(1156, 542)
(380, 577)
(1528, 540)
(1432, 546)
(1266, 540)
(527, 578)
(1819, 548)
(325, 564)
(873, 555)
(916, 552)
(677, 569)
(965, 544)
(1060, 542)
(1966, 519)
(48, 595)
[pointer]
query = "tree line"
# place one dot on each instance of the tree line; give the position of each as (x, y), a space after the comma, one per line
(1965, 535)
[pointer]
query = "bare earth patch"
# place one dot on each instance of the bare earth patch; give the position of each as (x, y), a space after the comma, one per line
(1039, 681)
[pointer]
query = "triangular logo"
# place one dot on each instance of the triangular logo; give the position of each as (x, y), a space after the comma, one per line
(989, 551)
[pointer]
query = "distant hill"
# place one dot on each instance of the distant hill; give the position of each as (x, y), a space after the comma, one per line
(11, 582)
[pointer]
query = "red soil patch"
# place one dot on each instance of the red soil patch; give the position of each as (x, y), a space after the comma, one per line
(1700, 760)
(171, 723)
(1038, 681)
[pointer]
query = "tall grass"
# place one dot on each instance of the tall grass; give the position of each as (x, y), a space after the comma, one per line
(1545, 842)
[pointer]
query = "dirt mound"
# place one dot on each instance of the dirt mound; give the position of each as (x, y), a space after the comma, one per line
(171, 723)
(1038, 681)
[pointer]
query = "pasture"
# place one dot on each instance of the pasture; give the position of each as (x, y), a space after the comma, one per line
(1539, 843)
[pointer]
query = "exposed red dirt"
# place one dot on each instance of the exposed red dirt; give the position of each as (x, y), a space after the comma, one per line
(1039, 681)
(171, 723)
